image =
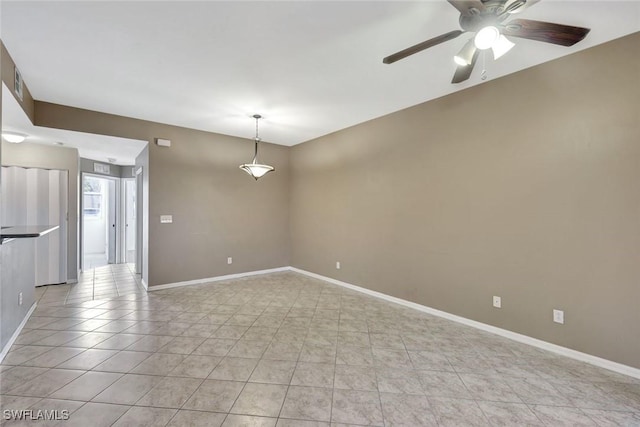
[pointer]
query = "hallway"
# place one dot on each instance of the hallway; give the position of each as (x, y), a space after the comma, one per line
(104, 282)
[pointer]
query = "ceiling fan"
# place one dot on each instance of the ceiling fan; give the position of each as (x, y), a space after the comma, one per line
(489, 20)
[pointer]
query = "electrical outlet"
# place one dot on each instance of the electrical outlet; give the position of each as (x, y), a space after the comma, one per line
(558, 316)
(229, 260)
(337, 265)
(20, 298)
(497, 302)
(166, 219)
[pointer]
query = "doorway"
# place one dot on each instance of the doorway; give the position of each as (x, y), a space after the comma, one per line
(99, 207)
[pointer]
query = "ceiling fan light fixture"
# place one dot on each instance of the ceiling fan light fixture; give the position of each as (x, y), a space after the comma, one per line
(458, 60)
(14, 137)
(465, 56)
(501, 46)
(487, 37)
(255, 169)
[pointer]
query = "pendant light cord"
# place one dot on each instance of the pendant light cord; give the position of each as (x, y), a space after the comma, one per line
(256, 139)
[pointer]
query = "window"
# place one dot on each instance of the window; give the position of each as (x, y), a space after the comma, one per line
(92, 197)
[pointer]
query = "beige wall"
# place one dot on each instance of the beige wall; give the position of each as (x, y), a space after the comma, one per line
(524, 187)
(218, 211)
(49, 157)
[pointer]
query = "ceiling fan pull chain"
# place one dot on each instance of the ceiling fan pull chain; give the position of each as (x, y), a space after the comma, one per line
(483, 74)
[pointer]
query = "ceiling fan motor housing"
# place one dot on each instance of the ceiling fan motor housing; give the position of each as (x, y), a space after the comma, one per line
(474, 20)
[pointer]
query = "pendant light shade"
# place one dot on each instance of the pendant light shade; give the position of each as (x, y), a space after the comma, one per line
(490, 37)
(465, 56)
(501, 46)
(486, 37)
(255, 169)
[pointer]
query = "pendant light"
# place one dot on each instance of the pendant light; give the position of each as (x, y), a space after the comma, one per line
(255, 169)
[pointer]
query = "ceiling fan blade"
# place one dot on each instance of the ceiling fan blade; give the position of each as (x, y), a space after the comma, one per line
(517, 6)
(463, 72)
(465, 6)
(421, 46)
(564, 35)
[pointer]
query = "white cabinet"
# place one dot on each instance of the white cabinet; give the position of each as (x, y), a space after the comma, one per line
(33, 196)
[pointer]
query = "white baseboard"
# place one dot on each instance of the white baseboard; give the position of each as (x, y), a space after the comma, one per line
(574, 354)
(15, 335)
(216, 279)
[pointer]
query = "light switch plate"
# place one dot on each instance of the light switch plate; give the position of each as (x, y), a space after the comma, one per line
(166, 219)
(558, 316)
(497, 302)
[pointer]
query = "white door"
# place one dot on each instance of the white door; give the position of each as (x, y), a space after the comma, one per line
(112, 230)
(130, 220)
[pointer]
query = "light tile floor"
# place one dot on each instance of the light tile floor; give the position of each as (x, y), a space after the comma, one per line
(97, 283)
(95, 260)
(287, 350)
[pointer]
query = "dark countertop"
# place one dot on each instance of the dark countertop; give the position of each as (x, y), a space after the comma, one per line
(26, 231)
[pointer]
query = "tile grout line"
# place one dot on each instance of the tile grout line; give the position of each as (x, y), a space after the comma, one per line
(335, 363)
(376, 372)
(272, 340)
(296, 361)
(115, 282)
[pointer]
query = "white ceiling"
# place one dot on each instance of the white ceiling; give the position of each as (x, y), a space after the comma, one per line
(90, 146)
(309, 67)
